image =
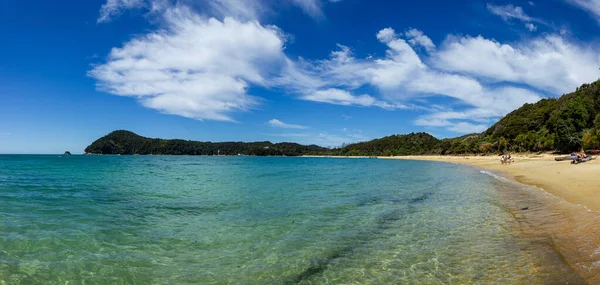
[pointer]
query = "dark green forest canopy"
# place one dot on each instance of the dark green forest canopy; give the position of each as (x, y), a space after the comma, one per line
(126, 142)
(564, 124)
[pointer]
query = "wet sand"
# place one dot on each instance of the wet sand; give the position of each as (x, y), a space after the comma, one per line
(561, 213)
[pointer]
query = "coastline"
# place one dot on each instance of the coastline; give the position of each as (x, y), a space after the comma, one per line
(576, 184)
(569, 229)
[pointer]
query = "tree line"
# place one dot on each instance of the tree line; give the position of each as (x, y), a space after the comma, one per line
(126, 142)
(563, 124)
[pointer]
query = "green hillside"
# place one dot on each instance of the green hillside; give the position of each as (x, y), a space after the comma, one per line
(414, 143)
(563, 124)
(126, 142)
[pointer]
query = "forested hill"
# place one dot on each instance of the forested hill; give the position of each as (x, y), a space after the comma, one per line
(414, 143)
(565, 124)
(126, 142)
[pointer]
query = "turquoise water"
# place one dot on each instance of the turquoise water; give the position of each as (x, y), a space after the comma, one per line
(257, 220)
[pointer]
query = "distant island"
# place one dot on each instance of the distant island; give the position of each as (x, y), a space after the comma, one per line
(563, 124)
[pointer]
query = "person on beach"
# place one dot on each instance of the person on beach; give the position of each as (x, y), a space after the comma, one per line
(579, 157)
(506, 159)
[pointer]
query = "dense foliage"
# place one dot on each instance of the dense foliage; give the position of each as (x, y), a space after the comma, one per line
(126, 142)
(565, 124)
(419, 143)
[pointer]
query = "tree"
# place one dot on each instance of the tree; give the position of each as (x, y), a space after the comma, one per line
(590, 140)
(571, 120)
(486, 147)
(502, 144)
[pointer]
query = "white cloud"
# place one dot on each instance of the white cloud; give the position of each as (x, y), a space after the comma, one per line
(400, 63)
(531, 27)
(590, 6)
(239, 9)
(202, 68)
(386, 35)
(279, 124)
(417, 38)
(343, 97)
(461, 127)
(310, 7)
(113, 8)
(509, 12)
(342, 69)
(346, 117)
(314, 8)
(196, 67)
(547, 63)
(5, 134)
(343, 55)
(494, 103)
(402, 75)
(467, 128)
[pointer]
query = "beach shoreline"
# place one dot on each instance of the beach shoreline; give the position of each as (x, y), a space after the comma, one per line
(576, 184)
(570, 228)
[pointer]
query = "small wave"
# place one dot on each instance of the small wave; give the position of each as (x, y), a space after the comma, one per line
(495, 176)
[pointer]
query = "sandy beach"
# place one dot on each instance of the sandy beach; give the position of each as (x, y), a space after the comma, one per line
(577, 184)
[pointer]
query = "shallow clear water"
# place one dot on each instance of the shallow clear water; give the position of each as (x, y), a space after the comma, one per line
(253, 220)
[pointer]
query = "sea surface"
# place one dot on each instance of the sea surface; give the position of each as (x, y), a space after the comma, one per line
(265, 220)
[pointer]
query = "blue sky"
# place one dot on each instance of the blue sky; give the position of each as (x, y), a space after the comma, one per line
(310, 71)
